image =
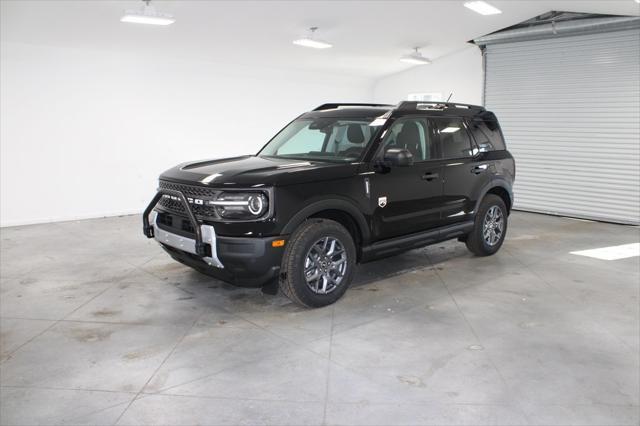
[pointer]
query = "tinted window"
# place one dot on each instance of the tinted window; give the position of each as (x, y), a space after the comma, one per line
(454, 138)
(487, 135)
(349, 138)
(304, 140)
(413, 135)
(327, 138)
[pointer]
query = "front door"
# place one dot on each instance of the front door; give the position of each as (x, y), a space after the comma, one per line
(407, 199)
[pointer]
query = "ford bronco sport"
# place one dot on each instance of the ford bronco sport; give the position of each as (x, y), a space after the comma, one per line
(340, 185)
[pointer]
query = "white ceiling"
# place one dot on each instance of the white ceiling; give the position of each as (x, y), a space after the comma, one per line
(368, 36)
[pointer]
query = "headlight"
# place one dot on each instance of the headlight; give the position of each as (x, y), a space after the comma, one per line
(241, 205)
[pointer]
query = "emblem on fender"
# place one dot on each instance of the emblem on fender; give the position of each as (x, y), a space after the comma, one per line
(382, 201)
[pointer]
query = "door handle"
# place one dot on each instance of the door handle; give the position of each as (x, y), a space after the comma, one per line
(430, 176)
(479, 169)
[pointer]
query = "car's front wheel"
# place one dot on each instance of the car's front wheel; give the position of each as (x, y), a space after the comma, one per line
(490, 227)
(318, 263)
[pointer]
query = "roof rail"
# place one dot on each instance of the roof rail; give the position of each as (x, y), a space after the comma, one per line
(427, 105)
(338, 105)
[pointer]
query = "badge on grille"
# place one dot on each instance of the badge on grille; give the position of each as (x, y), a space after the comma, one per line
(382, 201)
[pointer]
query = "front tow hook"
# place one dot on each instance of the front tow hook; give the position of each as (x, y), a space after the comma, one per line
(201, 249)
(148, 231)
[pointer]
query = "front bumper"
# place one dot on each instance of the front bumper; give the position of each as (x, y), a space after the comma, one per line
(249, 262)
(188, 245)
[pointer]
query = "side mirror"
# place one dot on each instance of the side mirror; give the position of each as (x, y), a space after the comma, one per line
(398, 157)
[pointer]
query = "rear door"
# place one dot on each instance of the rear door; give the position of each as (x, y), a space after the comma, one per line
(407, 199)
(464, 172)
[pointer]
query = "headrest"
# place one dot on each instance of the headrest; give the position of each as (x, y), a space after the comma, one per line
(409, 133)
(354, 134)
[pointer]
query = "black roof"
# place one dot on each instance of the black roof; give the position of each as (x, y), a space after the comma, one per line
(349, 112)
(359, 110)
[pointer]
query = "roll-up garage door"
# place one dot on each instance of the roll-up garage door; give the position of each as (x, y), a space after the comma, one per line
(570, 112)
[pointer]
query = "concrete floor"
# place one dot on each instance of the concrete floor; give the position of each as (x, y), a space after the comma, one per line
(99, 326)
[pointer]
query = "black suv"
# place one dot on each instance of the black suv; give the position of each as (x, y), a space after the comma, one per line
(340, 185)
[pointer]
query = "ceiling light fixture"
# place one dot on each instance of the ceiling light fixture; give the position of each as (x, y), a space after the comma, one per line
(311, 41)
(482, 7)
(415, 58)
(148, 15)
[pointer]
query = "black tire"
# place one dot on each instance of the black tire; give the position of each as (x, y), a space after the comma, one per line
(293, 282)
(476, 242)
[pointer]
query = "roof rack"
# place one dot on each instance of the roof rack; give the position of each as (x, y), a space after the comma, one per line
(338, 105)
(427, 105)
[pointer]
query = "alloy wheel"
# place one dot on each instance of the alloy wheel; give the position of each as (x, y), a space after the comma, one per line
(493, 226)
(325, 265)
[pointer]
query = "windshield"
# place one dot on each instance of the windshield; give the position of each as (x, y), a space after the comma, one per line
(325, 139)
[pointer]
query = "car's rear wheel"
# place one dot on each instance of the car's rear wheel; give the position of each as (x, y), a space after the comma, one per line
(490, 227)
(318, 263)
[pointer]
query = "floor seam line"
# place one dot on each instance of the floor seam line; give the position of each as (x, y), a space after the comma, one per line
(9, 355)
(571, 300)
(328, 381)
(180, 340)
(488, 357)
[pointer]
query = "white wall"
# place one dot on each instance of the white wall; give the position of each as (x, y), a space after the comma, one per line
(460, 73)
(85, 133)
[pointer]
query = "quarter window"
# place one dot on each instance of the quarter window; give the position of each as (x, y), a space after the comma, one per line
(454, 138)
(487, 135)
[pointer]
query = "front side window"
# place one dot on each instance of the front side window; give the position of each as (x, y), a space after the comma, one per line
(454, 138)
(412, 134)
(324, 139)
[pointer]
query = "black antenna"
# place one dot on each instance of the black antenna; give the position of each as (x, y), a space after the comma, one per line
(450, 95)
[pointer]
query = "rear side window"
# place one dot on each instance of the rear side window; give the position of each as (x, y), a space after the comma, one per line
(487, 135)
(454, 139)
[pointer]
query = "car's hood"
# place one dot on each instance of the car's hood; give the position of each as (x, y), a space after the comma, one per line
(255, 171)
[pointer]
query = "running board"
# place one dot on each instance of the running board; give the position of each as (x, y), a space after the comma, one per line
(407, 242)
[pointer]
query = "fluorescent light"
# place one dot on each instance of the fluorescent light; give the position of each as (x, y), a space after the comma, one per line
(147, 15)
(450, 130)
(612, 253)
(415, 58)
(311, 41)
(415, 61)
(142, 19)
(481, 7)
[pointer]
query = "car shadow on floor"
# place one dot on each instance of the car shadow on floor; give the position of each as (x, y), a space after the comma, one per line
(366, 274)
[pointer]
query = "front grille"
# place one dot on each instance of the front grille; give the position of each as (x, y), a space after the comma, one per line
(190, 191)
(175, 224)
